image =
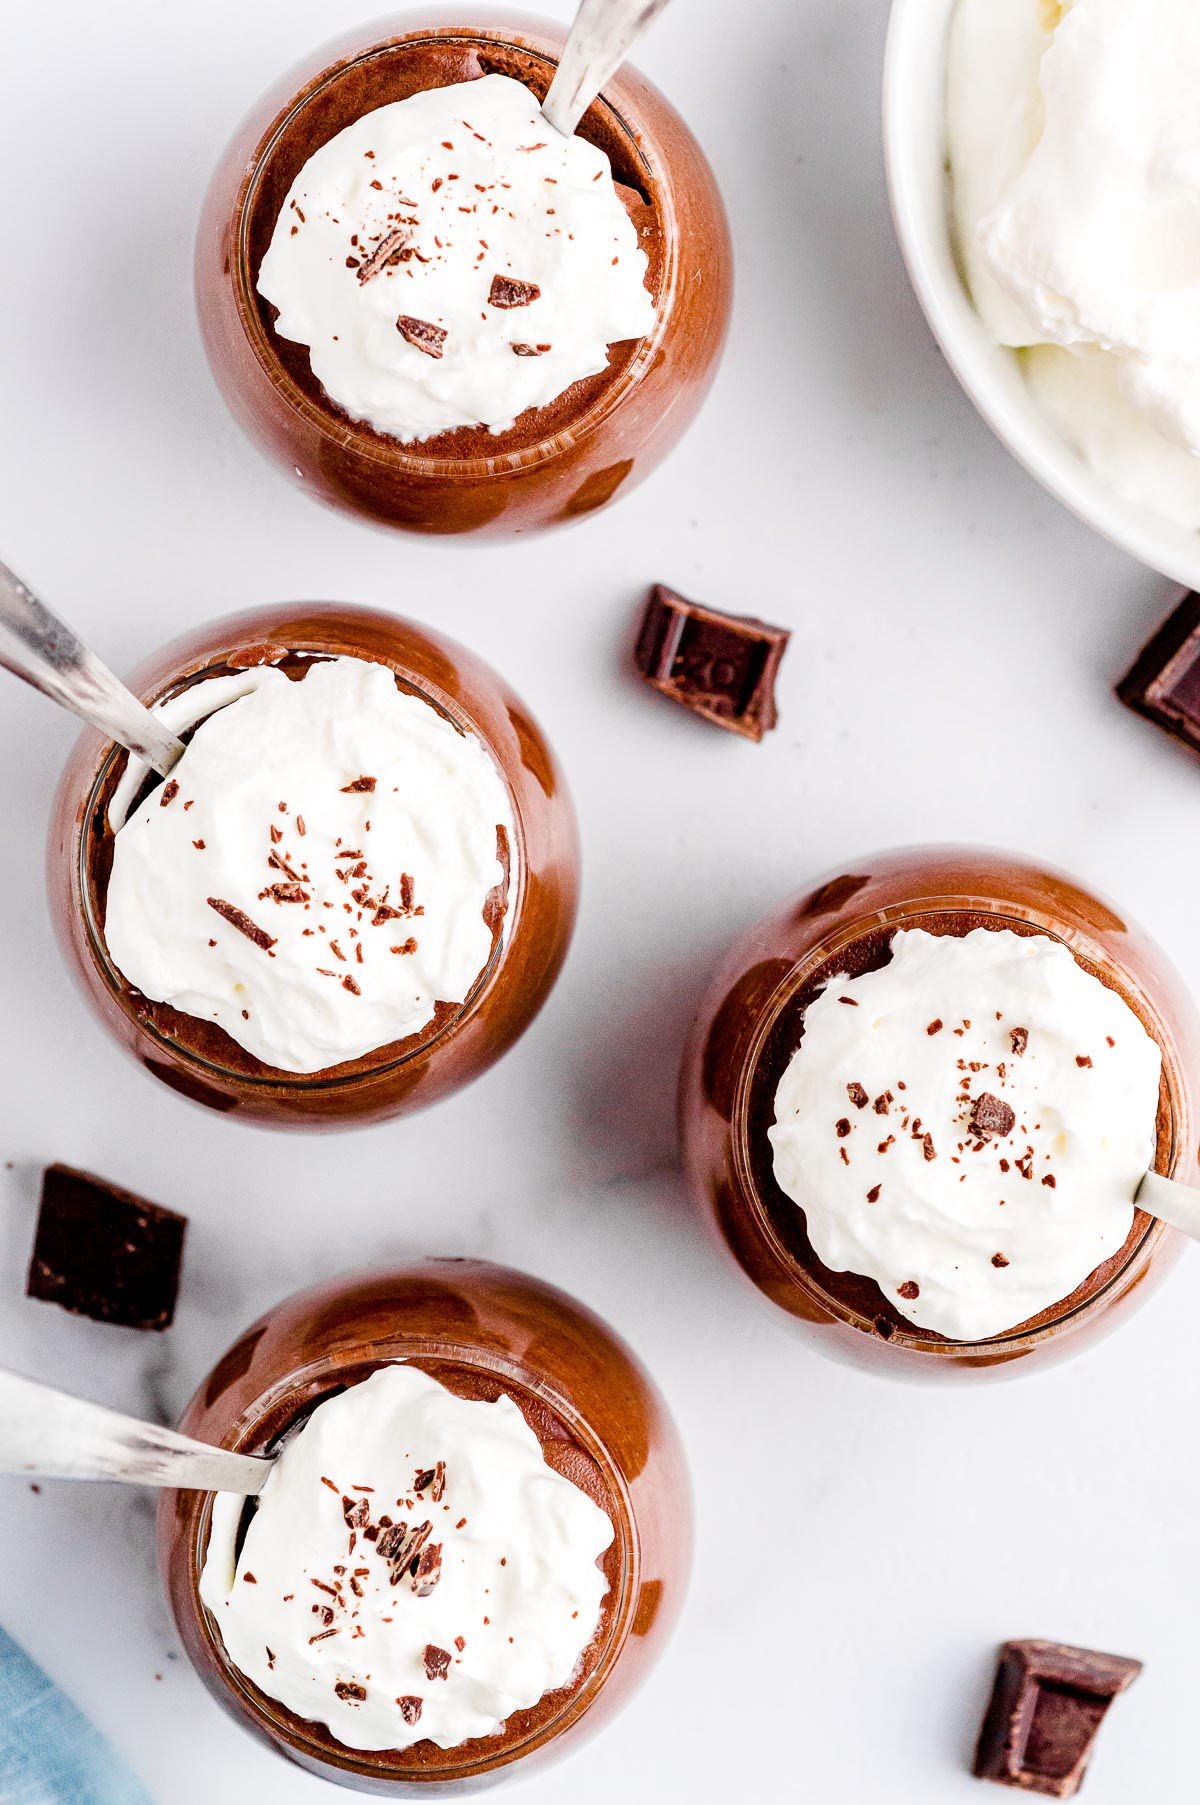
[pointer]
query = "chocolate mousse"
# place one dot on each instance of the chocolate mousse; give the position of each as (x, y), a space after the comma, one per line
(516, 325)
(355, 888)
(926, 1184)
(462, 1560)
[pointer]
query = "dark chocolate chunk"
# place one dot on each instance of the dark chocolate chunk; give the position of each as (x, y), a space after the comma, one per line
(721, 666)
(1018, 1040)
(410, 1708)
(507, 291)
(437, 1662)
(350, 1691)
(530, 350)
(1164, 684)
(422, 334)
(101, 1252)
(909, 1290)
(1045, 1709)
(991, 1115)
(363, 785)
(858, 1095)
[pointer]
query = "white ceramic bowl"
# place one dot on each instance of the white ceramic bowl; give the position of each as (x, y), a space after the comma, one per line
(914, 134)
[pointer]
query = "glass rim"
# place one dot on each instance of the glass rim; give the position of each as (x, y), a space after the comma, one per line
(274, 1078)
(286, 1726)
(927, 1342)
(353, 434)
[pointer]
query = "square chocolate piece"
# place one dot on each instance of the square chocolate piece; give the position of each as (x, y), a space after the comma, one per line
(1164, 684)
(1046, 1706)
(101, 1252)
(721, 666)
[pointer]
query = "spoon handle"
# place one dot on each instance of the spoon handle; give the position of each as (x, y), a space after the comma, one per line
(52, 1435)
(1173, 1202)
(37, 646)
(601, 38)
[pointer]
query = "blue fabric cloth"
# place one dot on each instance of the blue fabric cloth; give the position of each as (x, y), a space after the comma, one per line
(49, 1753)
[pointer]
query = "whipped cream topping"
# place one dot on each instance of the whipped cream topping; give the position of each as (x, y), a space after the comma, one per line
(968, 1126)
(313, 877)
(414, 1570)
(1075, 150)
(451, 260)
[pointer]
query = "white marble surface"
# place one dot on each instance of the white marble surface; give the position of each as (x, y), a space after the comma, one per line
(955, 641)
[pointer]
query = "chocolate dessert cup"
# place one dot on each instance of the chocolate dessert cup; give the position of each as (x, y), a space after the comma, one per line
(480, 1330)
(555, 463)
(531, 919)
(752, 1023)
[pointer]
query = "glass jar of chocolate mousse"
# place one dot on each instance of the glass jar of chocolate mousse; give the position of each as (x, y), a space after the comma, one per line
(436, 311)
(496, 1579)
(354, 891)
(918, 1101)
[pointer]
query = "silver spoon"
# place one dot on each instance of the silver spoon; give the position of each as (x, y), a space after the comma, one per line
(35, 645)
(49, 1434)
(601, 38)
(1176, 1203)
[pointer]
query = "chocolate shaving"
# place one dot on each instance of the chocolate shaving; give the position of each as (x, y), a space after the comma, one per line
(991, 1115)
(237, 918)
(428, 1570)
(350, 1691)
(386, 251)
(401, 1546)
(508, 291)
(431, 1479)
(410, 1708)
(857, 1095)
(530, 350)
(437, 1662)
(356, 1512)
(361, 785)
(285, 893)
(423, 335)
(998, 1259)
(280, 863)
(936, 1026)
(909, 1290)
(169, 792)
(843, 1127)
(349, 984)
(1019, 1040)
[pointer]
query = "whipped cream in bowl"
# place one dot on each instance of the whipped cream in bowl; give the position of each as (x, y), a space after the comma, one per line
(1038, 156)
